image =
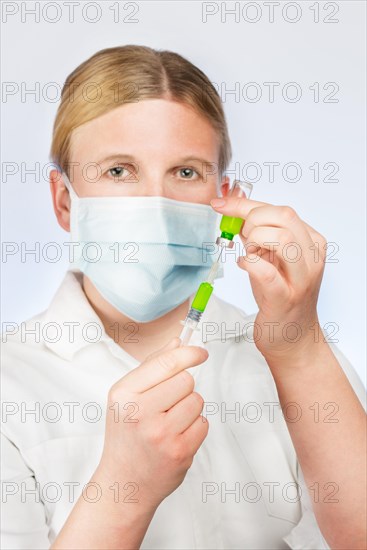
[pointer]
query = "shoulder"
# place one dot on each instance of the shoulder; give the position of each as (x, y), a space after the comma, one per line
(23, 356)
(19, 339)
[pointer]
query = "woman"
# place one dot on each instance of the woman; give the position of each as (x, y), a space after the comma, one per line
(142, 145)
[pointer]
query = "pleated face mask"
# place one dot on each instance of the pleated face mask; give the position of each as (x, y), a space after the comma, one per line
(145, 255)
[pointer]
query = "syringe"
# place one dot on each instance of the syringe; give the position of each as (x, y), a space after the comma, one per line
(229, 226)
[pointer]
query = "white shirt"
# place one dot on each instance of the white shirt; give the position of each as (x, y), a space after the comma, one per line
(240, 491)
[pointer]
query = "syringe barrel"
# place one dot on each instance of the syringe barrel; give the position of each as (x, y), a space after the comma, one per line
(185, 335)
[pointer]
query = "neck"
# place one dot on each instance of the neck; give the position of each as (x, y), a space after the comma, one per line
(137, 339)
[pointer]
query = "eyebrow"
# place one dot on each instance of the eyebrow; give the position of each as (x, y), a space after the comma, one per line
(120, 156)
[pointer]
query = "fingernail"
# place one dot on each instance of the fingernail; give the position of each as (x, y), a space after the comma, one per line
(216, 203)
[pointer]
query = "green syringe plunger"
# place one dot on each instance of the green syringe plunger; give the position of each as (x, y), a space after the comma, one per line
(196, 310)
(202, 296)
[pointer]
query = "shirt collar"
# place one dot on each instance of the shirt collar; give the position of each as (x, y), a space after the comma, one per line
(73, 316)
(78, 324)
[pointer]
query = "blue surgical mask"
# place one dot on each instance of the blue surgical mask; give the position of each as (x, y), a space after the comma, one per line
(145, 255)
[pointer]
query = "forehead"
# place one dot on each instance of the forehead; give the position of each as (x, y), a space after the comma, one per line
(150, 126)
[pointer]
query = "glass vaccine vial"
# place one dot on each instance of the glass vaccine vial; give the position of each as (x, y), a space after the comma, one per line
(231, 226)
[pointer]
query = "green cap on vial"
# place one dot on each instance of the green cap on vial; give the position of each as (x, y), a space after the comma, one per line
(230, 227)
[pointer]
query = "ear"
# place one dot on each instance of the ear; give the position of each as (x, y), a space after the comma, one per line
(60, 199)
(224, 187)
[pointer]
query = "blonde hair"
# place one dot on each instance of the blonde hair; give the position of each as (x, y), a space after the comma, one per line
(126, 74)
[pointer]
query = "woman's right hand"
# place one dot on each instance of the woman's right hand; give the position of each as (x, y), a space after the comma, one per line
(154, 426)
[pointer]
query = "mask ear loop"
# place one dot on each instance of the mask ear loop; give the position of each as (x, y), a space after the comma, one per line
(73, 216)
(69, 187)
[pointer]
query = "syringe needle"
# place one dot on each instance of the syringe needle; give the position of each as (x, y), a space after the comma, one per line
(213, 271)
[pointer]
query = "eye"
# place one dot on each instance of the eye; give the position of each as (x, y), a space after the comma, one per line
(187, 173)
(119, 172)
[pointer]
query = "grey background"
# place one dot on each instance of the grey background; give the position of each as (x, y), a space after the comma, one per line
(229, 49)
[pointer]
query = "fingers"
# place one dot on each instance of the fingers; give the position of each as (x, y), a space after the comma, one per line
(185, 412)
(163, 366)
(282, 217)
(311, 244)
(166, 394)
(265, 275)
(193, 437)
(281, 245)
(257, 213)
(239, 207)
(317, 240)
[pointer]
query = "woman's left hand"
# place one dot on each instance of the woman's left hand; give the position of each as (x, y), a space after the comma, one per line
(285, 260)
